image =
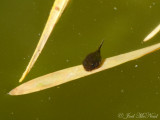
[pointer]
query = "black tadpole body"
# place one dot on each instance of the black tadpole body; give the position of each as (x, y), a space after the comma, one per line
(93, 60)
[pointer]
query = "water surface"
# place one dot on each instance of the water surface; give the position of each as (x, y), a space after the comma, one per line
(131, 87)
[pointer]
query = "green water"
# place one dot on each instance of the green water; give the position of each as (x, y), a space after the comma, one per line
(122, 24)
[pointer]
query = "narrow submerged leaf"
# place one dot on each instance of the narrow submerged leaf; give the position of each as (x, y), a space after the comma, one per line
(152, 34)
(56, 11)
(72, 73)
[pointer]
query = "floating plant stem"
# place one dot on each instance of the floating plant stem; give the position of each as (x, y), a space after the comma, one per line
(56, 11)
(152, 34)
(73, 73)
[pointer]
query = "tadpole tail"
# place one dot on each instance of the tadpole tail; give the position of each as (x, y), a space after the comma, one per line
(100, 45)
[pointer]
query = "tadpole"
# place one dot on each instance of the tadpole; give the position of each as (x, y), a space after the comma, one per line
(93, 60)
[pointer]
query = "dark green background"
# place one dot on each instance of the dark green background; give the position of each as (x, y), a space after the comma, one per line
(123, 24)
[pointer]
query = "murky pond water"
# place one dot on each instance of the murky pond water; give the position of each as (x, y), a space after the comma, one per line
(129, 88)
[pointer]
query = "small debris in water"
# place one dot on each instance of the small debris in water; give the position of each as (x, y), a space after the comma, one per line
(136, 66)
(12, 113)
(79, 33)
(49, 98)
(122, 90)
(157, 93)
(121, 70)
(37, 118)
(101, 1)
(115, 8)
(67, 60)
(153, 3)
(95, 20)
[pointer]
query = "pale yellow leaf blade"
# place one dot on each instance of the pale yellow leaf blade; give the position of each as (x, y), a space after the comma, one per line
(152, 34)
(72, 73)
(56, 11)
